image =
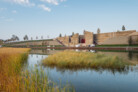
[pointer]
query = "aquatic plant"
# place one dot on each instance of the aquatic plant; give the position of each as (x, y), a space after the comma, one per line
(72, 59)
(14, 79)
(37, 81)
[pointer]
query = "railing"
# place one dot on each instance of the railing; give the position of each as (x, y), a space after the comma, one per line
(60, 42)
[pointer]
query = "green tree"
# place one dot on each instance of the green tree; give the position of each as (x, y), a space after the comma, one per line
(36, 37)
(72, 33)
(25, 38)
(14, 38)
(98, 31)
(42, 37)
(123, 28)
(60, 35)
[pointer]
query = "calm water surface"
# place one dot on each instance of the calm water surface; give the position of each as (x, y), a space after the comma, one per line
(88, 80)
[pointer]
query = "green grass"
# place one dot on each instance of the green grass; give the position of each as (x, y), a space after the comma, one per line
(134, 51)
(37, 81)
(72, 59)
(121, 45)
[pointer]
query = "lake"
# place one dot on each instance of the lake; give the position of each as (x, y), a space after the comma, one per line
(91, 80)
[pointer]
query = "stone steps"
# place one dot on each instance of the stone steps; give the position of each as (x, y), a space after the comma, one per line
(116, 40)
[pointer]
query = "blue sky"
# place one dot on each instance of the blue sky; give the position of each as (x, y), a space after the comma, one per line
(52, 17)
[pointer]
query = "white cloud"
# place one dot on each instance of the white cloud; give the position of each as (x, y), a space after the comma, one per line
(22, 2)
(44, 7)
(55, 2)
(14, 11)
(28, 3)
(63, 0)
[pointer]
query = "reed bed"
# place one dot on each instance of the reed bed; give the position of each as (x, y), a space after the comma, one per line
(11, 60)
(72, 59)
(14, 79)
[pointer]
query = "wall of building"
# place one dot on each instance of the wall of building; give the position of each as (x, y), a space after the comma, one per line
(64, 40)
(135, 39)
(69, 40)
(116, 40)
(100, 38)
(54, 42)
(103, 37)
(75, 39)
(88, 38)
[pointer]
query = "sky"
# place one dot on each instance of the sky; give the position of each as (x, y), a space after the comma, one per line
(52, 17)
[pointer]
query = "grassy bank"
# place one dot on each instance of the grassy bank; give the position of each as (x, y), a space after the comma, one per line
(72, 59)
(119, 45)
(11, 60)
(14, 79)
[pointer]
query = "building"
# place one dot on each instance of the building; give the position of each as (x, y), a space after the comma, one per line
(111, 38)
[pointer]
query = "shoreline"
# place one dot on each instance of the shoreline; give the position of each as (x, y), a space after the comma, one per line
(88, 48)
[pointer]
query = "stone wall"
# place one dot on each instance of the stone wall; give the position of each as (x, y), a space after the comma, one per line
(135, 39)
(102, 37)
(64, 40)
(54, 42)
(116, 40)
(88, 38)
(75, 39)
(69, 40)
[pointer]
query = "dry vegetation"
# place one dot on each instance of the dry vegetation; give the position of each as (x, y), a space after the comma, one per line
(13, 79)
(11, 60)
(72, 59)
(10, 67)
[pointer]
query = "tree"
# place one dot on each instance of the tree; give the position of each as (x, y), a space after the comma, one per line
(25, 38)
(72, 33)
(123, 28)
(60, 35)
(36, 37)
(17, 38)
(42, 37)
(98, 31)
(14, 38)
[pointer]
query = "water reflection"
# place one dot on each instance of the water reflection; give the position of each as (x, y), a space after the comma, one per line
(129, 56)
(91, 80)
(43, 51)
(112, 71)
